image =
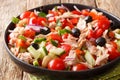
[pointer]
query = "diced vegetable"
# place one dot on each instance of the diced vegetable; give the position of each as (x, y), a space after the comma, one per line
(36, 54)
(54, 43)
(39, 40)
(35, 63)
(42, 14)
(57, 51)
(89, 58)
(15, 20)
(22, 37)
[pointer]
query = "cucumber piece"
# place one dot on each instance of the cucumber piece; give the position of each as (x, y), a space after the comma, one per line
(117, 35)
(35, 63)
(43, 51)
(57, 51)
(89, 58)
(36, 54)
(39, 40)
(42, 44)
(118, 44)
(54, 43)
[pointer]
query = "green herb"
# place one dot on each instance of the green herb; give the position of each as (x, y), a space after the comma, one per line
(22, 37)
(35, 63)
(63, 31)
(42, 14)
(15, 20)
(54, 43)
(39, 40)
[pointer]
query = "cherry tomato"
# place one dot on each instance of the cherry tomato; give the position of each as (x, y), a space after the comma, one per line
(56, 37)
(113, 53)
(25, 15)
(29, 33)
(76, 12)
(67, 48)
(56, 64)
(79, 67)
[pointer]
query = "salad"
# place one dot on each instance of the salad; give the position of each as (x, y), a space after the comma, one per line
(65, 40)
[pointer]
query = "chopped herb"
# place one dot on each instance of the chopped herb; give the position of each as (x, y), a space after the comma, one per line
(39, 40)
(63, 31)
(42, 14)
(35, 63)
(15, 20)
(54, 43)
(22, 37)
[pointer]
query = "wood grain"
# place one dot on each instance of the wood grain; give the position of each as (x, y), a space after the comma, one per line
(85, 2)
(112, 6)
(10, 8)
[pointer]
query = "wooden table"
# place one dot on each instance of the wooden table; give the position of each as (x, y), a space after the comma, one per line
(10, 8)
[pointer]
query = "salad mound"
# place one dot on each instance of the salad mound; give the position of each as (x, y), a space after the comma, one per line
(65, 40)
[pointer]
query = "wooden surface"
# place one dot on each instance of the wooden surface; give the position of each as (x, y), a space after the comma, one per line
(10, 8)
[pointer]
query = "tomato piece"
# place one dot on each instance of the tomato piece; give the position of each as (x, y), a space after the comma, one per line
(66, 23)
(29, 33)
(113, 53)
(25, 15)
(33, 15)
(79, 67)
(64, 36)
(56, 37)
(21, 43)
(111, 34)
(93, 15)
(103, 24)
(74, 21)
(33, 20)
(98, 33)
(114, 44)
(41, 21)
(90, 34)
(67, 48)
(56, 64)
(85, 12)
(76, 12)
